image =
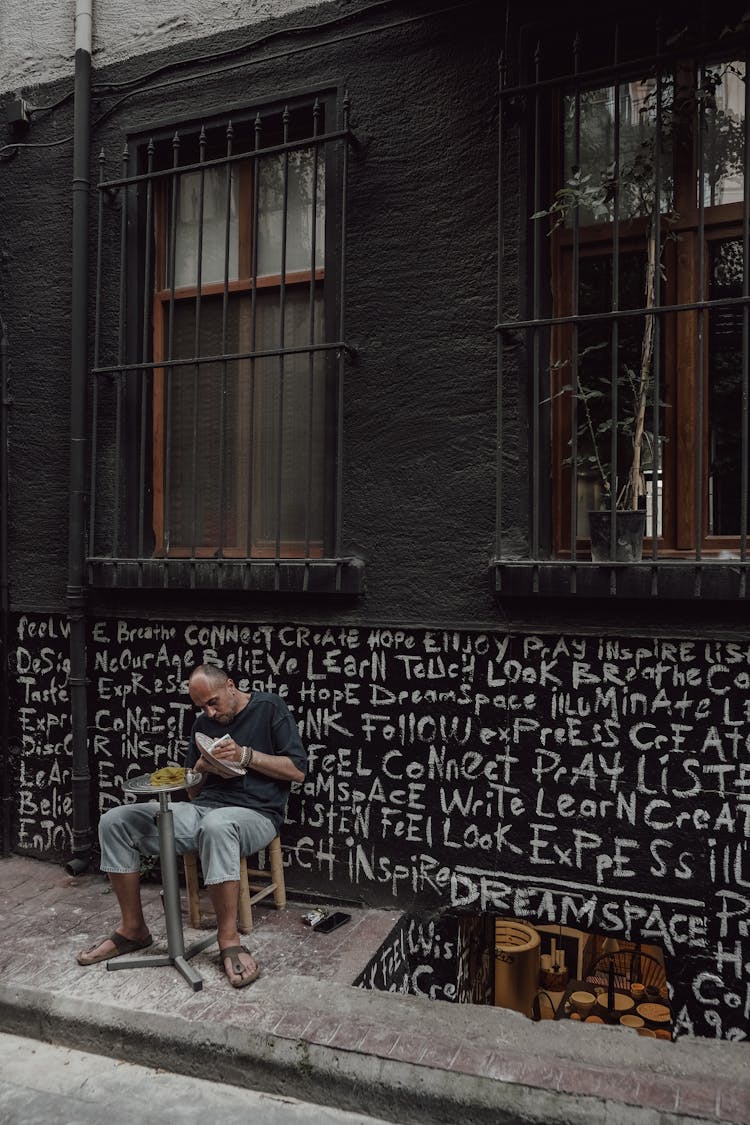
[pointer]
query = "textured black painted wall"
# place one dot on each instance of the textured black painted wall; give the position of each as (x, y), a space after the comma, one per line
(35, 253)
(419, 426)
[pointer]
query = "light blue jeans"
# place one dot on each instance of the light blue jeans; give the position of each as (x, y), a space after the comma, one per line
(220, 836)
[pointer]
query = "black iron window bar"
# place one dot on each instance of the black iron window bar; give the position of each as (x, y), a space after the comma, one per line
(525, 119)
(122, 434)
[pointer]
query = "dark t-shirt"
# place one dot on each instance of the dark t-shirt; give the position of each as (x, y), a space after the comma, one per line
(265, 723)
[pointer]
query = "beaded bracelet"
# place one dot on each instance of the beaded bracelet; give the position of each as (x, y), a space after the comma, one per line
(247, 756)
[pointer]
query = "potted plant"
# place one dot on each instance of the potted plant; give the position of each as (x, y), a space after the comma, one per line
(620, 478)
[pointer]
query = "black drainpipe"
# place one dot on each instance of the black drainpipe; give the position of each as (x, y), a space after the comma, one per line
(75, 595)
(4, 600)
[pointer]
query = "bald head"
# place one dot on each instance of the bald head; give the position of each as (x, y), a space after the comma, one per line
(215, 694)
(211, 673)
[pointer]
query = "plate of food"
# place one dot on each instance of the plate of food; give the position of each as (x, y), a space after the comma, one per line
(207, 745)
(168, 779)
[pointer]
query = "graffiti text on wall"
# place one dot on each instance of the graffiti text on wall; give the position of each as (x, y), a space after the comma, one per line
(583, 781)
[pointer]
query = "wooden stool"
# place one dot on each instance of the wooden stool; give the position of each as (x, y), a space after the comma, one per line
(273, 883)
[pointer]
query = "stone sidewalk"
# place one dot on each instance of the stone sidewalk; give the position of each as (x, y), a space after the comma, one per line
(303, 1031)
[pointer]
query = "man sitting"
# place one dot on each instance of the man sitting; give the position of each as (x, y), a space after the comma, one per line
(226, 816)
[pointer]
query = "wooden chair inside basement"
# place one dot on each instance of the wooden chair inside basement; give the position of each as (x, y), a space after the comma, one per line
(630, 966)
(256, 883)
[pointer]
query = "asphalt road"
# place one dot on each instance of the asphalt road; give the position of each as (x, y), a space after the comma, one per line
(42, 1084)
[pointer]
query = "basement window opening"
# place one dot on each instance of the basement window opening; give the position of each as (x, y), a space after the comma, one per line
(543, 971)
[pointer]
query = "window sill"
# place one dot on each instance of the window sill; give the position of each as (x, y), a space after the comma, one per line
(705, 580)
(296, 576)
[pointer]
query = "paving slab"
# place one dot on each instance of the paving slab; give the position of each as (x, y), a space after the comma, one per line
(302, 1030)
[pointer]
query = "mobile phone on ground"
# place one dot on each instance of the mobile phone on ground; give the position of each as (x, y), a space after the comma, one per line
(331, 922)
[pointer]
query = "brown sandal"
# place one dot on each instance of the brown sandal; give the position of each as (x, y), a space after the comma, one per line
(122, 945)
(237, 967)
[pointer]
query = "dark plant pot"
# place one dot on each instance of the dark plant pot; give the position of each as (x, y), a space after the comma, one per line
(630, 528)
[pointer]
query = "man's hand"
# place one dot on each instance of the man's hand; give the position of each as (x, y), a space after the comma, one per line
(200, 769)
(227, 750)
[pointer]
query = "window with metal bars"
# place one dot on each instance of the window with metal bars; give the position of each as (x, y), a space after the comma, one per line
(219, 351)
(632, 330)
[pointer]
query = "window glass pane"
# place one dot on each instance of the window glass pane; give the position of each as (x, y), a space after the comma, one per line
(724, 134)
(207, 434)
(593, 166)
(291, 412)
(246, 440)
(295, 171)
(725, 390)
(188, 226)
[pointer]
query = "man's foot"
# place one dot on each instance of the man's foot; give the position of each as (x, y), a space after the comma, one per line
(240, 967)
(116, 945)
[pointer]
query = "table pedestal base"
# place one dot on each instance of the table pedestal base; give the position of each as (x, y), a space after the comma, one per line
(179, 961)
(176, 954)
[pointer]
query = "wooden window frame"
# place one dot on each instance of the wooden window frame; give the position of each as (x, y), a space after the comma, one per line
(680, 536)
(249, 545)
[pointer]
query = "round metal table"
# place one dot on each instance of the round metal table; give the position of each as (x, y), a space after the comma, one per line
(176, 954)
